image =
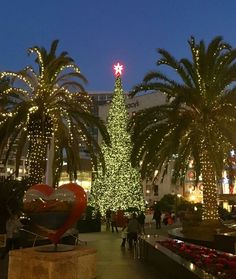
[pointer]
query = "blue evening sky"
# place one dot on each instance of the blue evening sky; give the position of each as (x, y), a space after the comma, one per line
(97, 34)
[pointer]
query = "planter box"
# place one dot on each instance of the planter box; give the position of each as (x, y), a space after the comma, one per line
(169, 263)
(80, 263)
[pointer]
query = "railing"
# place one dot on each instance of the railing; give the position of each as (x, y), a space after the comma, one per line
(77, 241)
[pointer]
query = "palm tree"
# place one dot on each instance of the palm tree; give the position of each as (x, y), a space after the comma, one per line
(197, 122)
(47, 107)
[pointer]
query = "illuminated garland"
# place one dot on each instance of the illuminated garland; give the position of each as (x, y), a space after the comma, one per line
(210, 206)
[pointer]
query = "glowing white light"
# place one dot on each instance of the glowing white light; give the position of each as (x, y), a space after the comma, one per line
(118, 69)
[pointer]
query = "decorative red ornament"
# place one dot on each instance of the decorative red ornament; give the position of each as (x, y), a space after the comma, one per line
(231, 189)
(118, 69)
(191, 174)
(55, 211)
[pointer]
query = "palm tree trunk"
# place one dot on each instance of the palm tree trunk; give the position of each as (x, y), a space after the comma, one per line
(37, 159)
(210, 206)
(50, 157)
(40, 134)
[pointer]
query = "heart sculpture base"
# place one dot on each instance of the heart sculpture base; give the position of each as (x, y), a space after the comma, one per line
(80, 263)
(55, 248)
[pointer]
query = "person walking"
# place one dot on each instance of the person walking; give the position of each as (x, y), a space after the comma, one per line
(141, 220)
(157, 218)
(13, 227)
(113, 222)
(167, 219)
(133, 229)
(124, 233)
(120, 218)
(108, 219)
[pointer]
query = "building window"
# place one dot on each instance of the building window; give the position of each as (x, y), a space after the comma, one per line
(155, 190)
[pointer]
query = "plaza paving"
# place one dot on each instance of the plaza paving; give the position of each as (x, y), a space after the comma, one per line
(114, 262)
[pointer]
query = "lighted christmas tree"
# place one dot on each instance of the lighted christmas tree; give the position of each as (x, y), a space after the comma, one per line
(119, 186)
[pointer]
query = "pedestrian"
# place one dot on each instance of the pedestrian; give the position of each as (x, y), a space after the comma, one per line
(141, 220)
(113, 222)
(120, 218)
(13, 226)
(124, 233)
(169, 220)
(133, 229)
(108, 219)
(166, 219)
(173, 217)
(157, 218)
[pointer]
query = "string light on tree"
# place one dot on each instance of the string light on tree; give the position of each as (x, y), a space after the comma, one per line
(49, 110)
(119, 186)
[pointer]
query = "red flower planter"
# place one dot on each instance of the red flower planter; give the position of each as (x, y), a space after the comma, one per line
(221, 265)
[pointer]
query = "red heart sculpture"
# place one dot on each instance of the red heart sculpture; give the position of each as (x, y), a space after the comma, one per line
(55, 211)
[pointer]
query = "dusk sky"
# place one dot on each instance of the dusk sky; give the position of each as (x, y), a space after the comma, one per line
(96, 34)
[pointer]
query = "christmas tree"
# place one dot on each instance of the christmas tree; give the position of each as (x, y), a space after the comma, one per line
(119, 186)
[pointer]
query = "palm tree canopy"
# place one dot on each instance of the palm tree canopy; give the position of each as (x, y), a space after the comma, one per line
(49, 101)
(200, 111)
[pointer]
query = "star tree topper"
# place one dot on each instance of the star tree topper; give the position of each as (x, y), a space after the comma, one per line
(118, 69)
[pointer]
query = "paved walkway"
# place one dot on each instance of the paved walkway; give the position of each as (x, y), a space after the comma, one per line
(114, 262)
